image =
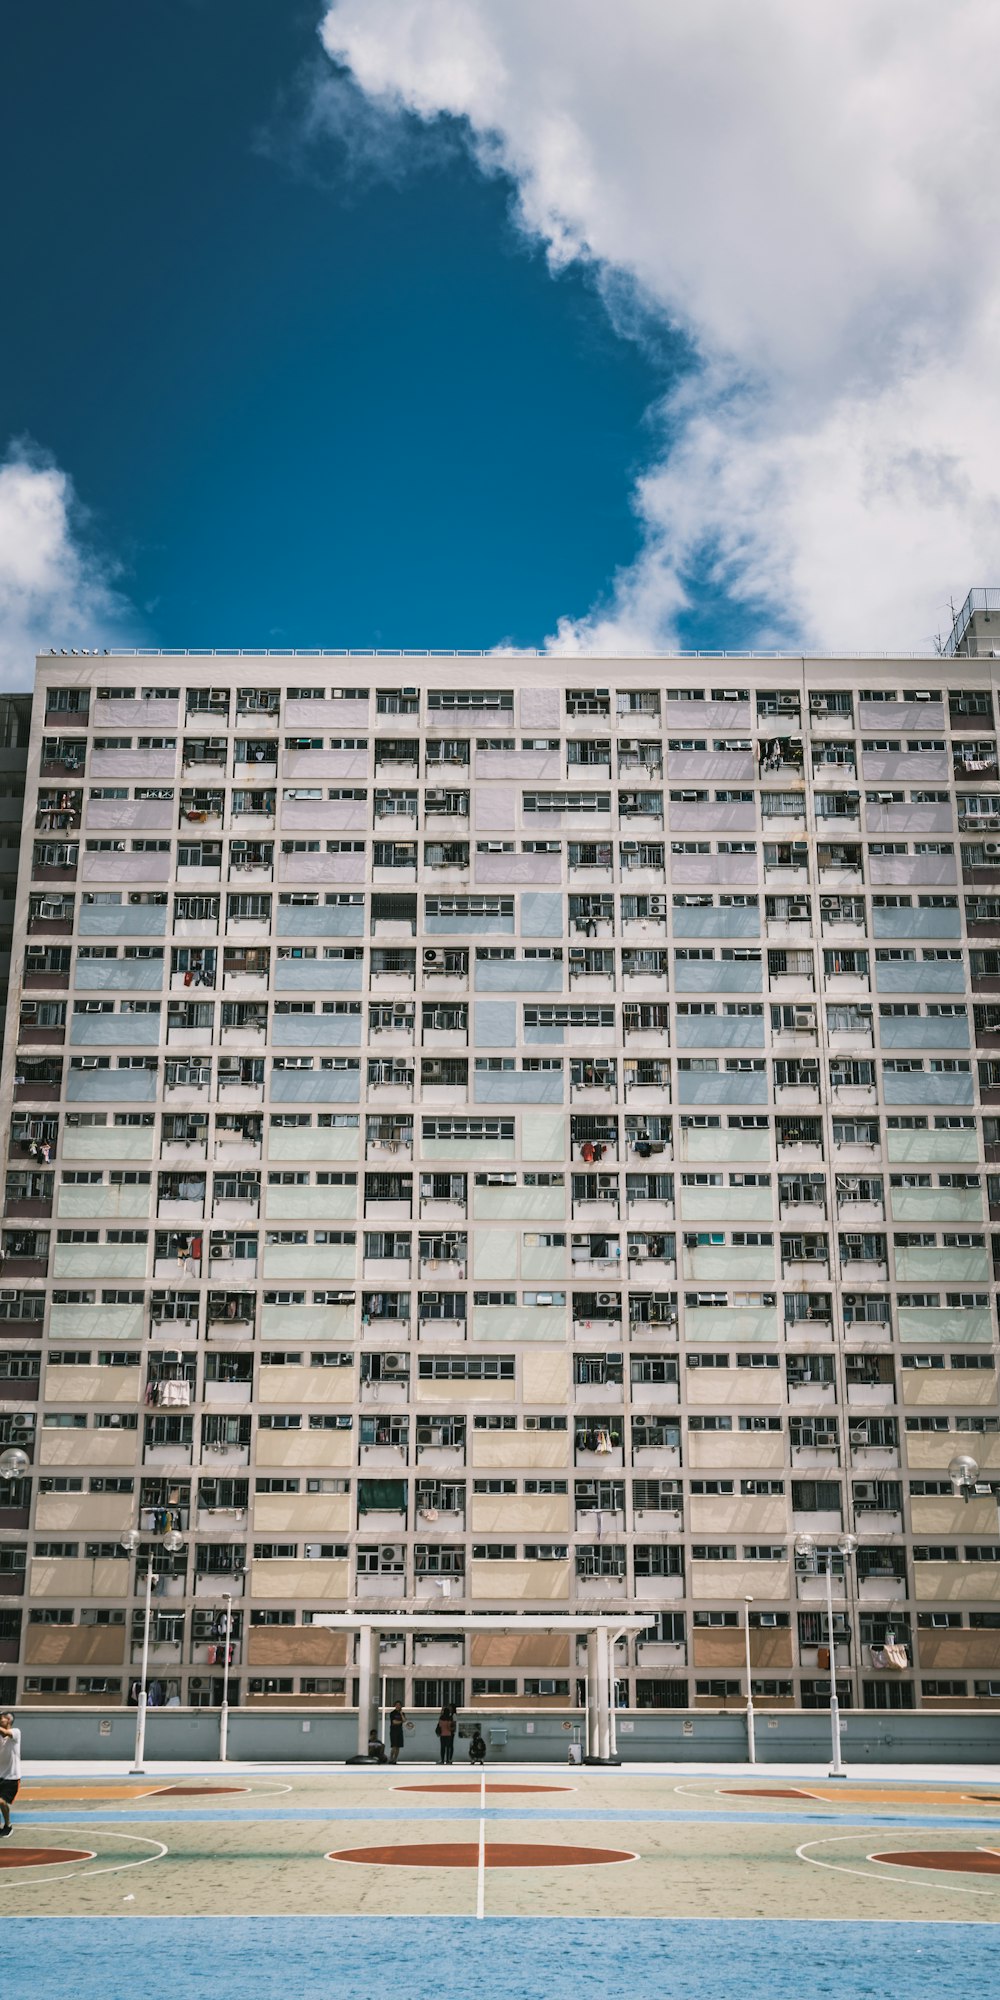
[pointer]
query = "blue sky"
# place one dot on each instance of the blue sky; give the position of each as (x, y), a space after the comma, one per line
(303, 404)
(456, 322)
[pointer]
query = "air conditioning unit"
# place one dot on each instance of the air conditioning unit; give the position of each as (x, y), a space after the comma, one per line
(730, 694)
(531, 1423)
(393, 1364)
(788, 701)
(802, 1017)
(864, 1490)
(606, 1298)
(432, 957)
(430, 1434)
(639, 1424)
(392, 1552)
(992, 846)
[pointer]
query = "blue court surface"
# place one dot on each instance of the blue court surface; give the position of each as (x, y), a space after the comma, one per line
(423, 1958)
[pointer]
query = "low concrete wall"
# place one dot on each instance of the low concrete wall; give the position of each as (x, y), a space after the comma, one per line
(287, 1736)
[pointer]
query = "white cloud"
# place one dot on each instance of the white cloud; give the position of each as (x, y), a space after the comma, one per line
(54, 589)
(808, 192)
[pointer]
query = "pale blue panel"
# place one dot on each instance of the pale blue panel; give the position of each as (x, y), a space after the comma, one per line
(541, 916)
(316, 1031)
(112, 1086)
(552, 1037)
(517, 1087)
(312, 1086)
(715, 976)
(720, 1031)
(469, 926)
(123, 920)
(917, 1088)
(920, 978)
(916, 924)
(946, 1324)
(322, 920)
(115, 1030)
(119, 975)
(701, 1087)
(507, 975)
(738, 923)
(494, 1024)
(332, 975)
(920, 1033)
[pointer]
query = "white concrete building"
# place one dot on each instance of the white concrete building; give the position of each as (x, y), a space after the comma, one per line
(509, 1135)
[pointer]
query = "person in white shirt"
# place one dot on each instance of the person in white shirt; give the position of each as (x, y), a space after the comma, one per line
(10, 1770)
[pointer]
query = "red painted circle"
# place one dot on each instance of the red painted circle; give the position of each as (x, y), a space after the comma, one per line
(465, 1854)
(763, 1792)
(947, 1860)
(489, 1789)
(42, 1857)
(194, 1791)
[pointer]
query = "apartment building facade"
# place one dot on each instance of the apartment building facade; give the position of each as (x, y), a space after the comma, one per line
(511, 1135)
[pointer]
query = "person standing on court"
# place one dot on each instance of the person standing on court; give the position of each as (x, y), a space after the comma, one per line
(10, 1769)
(445, 1733)
(397, 1725)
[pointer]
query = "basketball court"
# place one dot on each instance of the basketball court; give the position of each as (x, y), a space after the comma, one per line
(515, 1880)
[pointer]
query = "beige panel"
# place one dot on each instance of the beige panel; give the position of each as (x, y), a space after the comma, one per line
(291, 1512)
(946, 1389)
(719, 1451)
(310, 1646)
(74, 1646)
(943, 1515)
(711, 1513)
(306, 1385)
(93, 1385)
(527, 1651)
(316, 1449)
(727, 1648)
(541, 1582)
(727, 1582)
(965, 1652)
(438, 1394)
(504, 1451)
(76, 1576)
(299, 1579)
(81, 1448)
(88, 1512)
(733, 1388)
(956, 1583)
(513, 1513)
(545, 1379)
(933, 1451)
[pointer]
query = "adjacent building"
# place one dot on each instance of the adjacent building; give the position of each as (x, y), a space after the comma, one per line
(505, 1134)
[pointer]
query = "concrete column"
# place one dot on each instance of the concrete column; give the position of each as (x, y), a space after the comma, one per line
(593, 1699)
(604, 1670)
(367, 1685)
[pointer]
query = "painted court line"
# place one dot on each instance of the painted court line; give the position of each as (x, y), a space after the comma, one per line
(481, 1862)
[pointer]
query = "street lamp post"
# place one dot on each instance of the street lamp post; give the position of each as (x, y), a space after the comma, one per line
(227, 1599)
(751, 1732)
(131, 1543)
(846, 1544)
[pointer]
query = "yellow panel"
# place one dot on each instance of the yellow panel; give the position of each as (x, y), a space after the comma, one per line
(733, 1388)
(518, 1513)
(545, 1378)
(81, 1448)
(727, 1582)
(721, 1450)
(520, 1450)
(715, 1514)
(90, 1513)
(281, 1513)
(316, 1449)
(295, 1386)
(76, 1576)
(956, 1583)
(303, 1581)
(93, 1385)
(941, 1388)
(500, 1581)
